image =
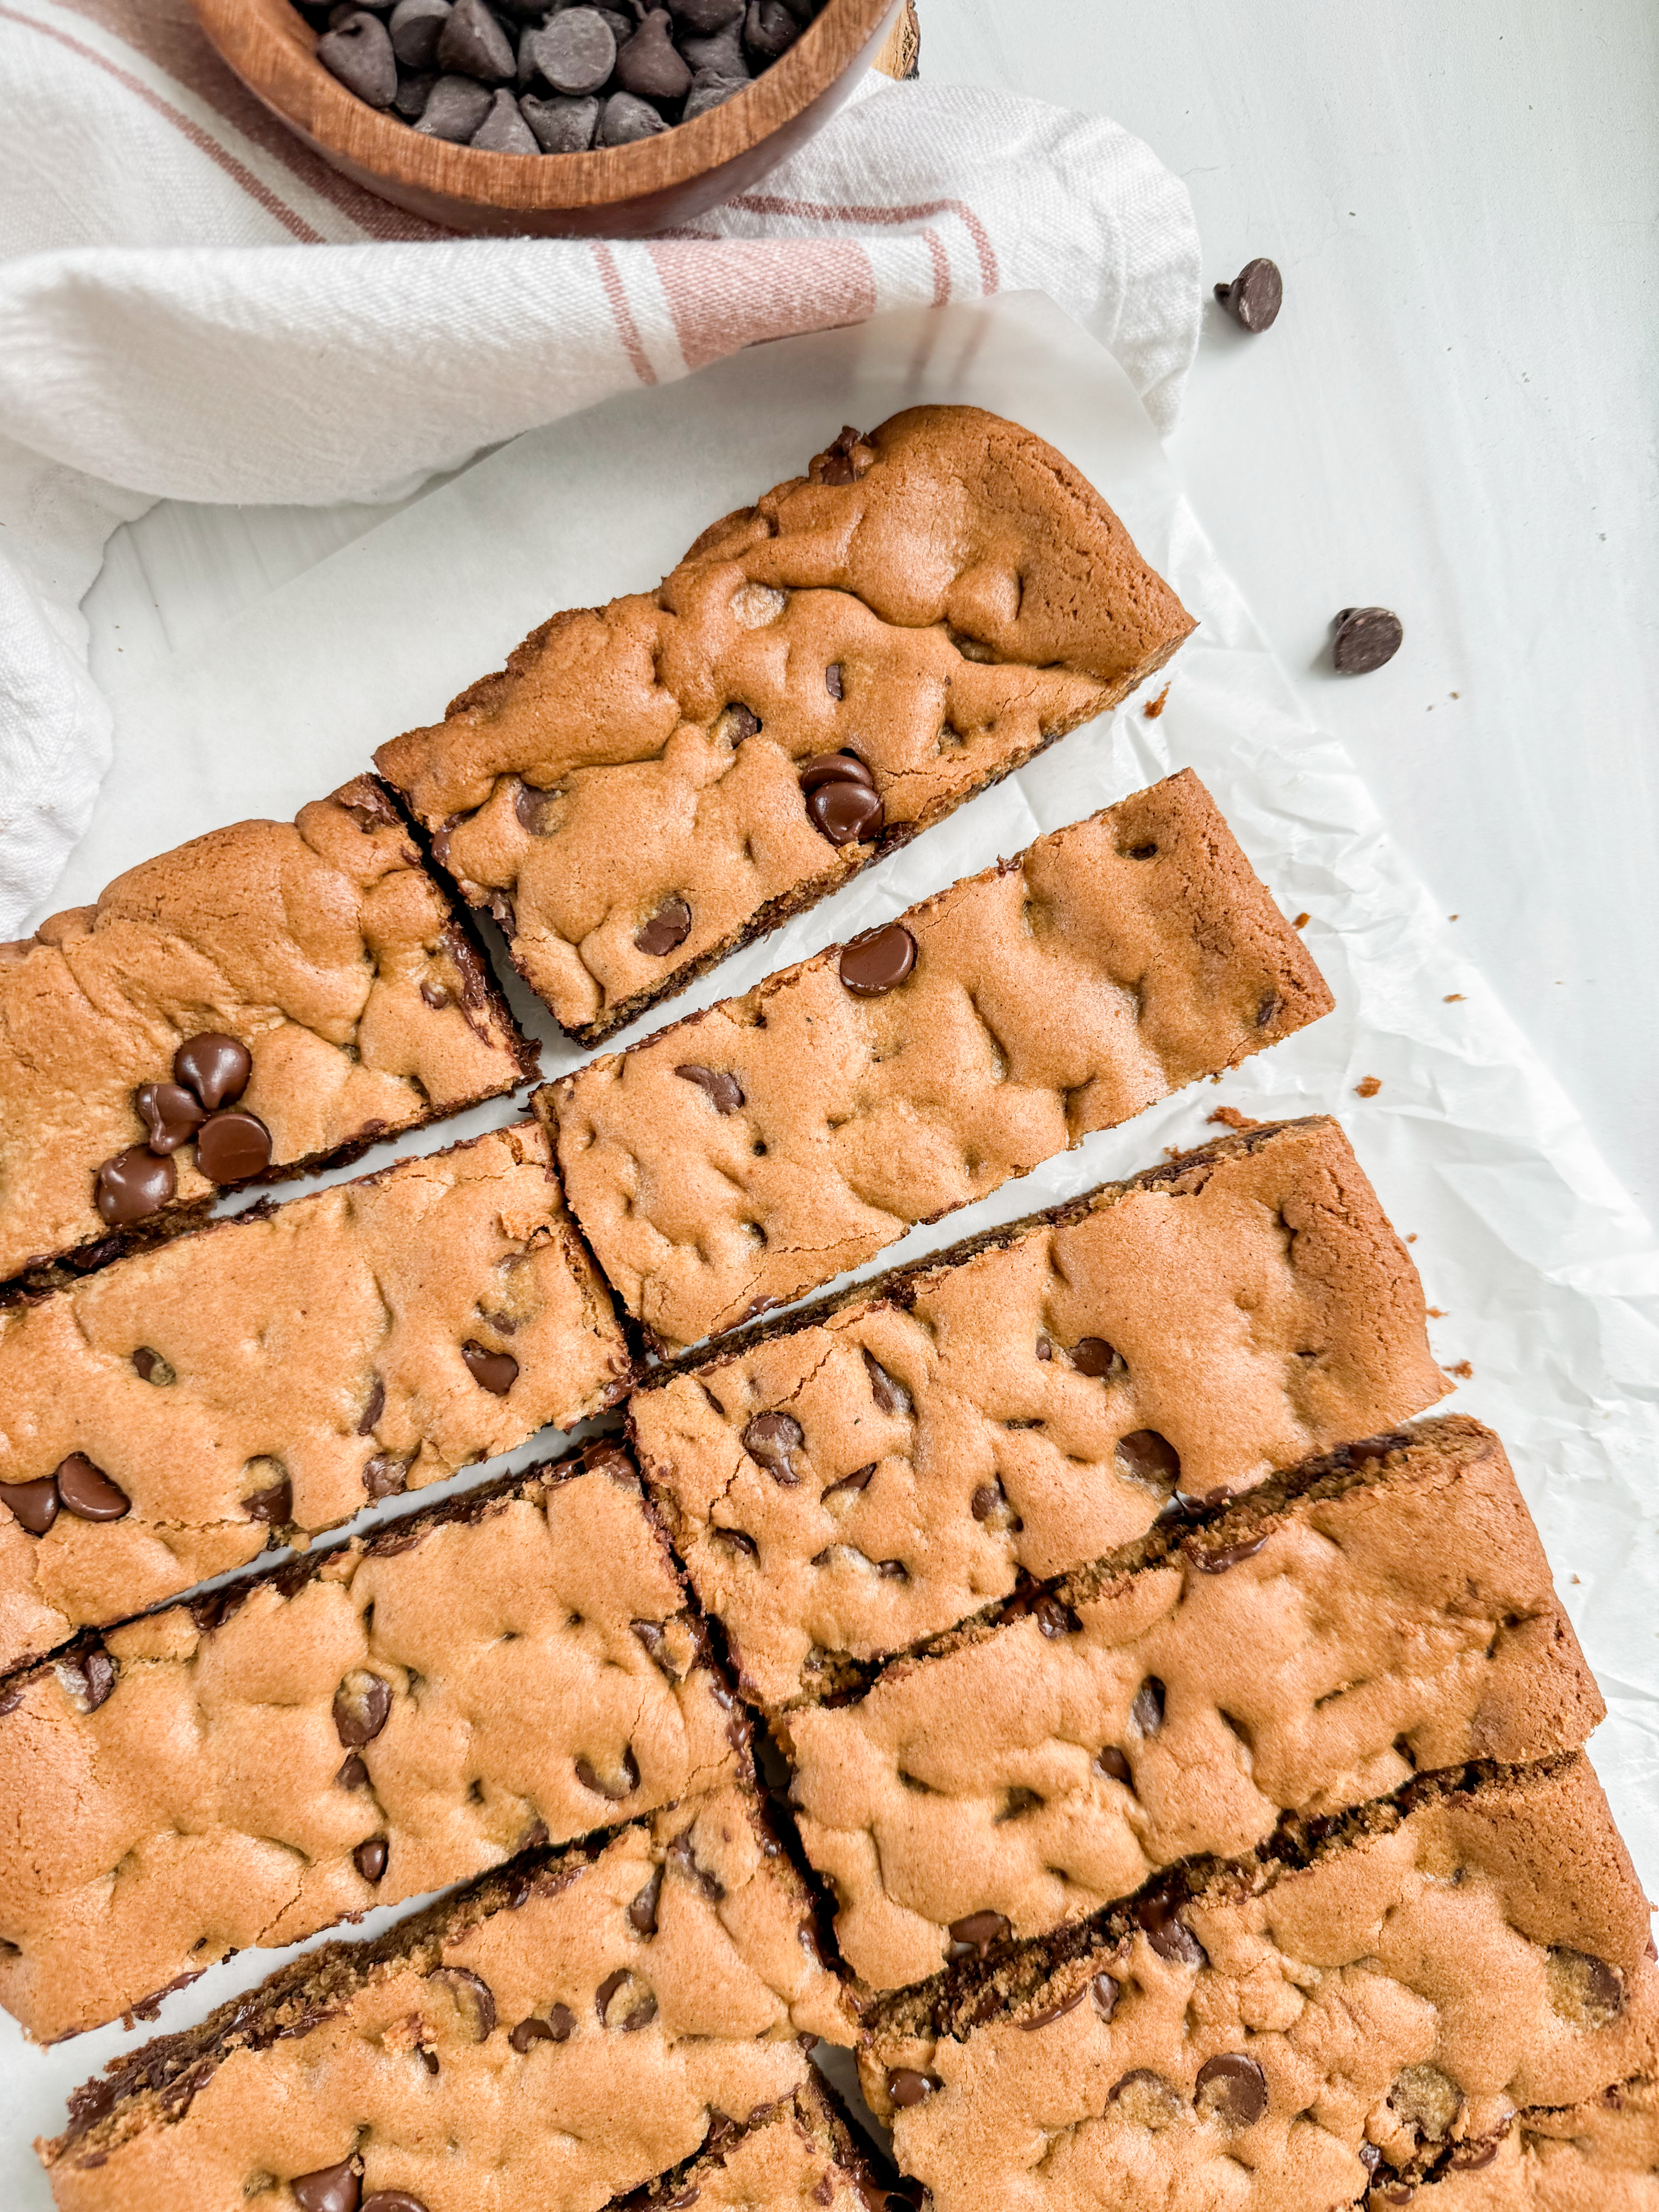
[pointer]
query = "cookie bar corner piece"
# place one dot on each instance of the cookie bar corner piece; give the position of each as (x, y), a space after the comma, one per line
(650, 784)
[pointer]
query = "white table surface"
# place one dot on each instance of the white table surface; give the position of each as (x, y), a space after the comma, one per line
(1454, 416)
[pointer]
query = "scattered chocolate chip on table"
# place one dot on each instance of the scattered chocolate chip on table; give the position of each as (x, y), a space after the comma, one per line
(1365, 638)
(924, 1064)
(1255, 296)
(650, 784)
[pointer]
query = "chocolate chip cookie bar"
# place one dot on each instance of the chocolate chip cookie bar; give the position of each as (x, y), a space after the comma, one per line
(265, 1377)
(554, 2036)
(266, 998)
(753, 1150)
(845, 1484)
(1383, 1610)
(1322, 2025)
(648, 785)
(376, 1721)
(799, 2153)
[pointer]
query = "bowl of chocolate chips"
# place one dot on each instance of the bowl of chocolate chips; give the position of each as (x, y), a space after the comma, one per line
(553, 118)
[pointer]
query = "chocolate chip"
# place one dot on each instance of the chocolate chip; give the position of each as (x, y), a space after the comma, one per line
(893, 1570)
(977, 1931)
(843, 463)
(1366, 637)
(134, 1183)
(889, 1393)
(88, 1492)
(719, 55)
(1233, 2089)
(358, 52)
(494, 1371)
(1167, 1933)
(770, 1438)
(1093, 1355)
(986, 1500)
(1230, 1555)
(1470, 2156)
(877, 961)
(738, 1538)
(1267, 1010)
(562, 2021)
(1044, 1349)
(471, 43)
(475, 2000)
(1102, 1992)
(638, 2007)
(1054, 2012)
(648, 65)
(1055, 1619)
(152, 1368)
(216, 1067)
(528, 2031)
(1584, 1990)
(233, 1146)
(34, 1505)
(833, 682)
(330, 2189)
(623, 121)
(703, 16)
(274, 1504)
(454, 108)
(399, 2200)
(89, 1678)
(906, 2087)
(504, 130)
(769, 31)
(1147, 1710)
(723, 1090)
(846, 812)
(353, 1773)
(1112, 1763)
(616, 1786)
(1149, 1457)
(386, 1475)
(671, 925)
(834, 767)
(370, 1857)
(1255, 296)
(575, 51)
(642, 1912)
(171, 1114)
(562, 126)
(414, 27)
(373, 1409)
(362, 1704)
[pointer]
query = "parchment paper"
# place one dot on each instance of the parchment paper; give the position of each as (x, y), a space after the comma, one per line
(1547, 1277)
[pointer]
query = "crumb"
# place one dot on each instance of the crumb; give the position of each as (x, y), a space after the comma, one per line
(1452, 917)
(1231, 1116)
(1436, 1313)
(1412, 1239)
(1457, 695)
(1368, 1086)
(1452, 998)
(1301, 920)
(1177, 1151)
(1154, 708)
(1462, 1370)
(1574, 1578)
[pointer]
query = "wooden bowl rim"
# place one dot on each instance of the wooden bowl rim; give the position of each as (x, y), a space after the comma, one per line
(307, 97)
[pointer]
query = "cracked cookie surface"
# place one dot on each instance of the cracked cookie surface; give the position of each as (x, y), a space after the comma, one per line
(1030, 1402)
(559, 2033)
(1385, 1612)
(1241, 2036)
(802, 2153)
(323, 946)
(1059, 992)
(396, 1716)
(941, 601)
(279, 1372)
(1601, 2155)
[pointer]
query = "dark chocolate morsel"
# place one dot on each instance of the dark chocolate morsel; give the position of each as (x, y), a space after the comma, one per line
(977, 1931)
(833, 681)
(1054, 2012)
(504, 130)
(648, 65)
(384, 1475)
(397, 2200)
(88, 1492)
(1366, 637)
(528, 2031)
(454, 108)
(1147, 1710)
(414, 25)
(1112, 1763)
(906, 2087)
(98, 1672)
(1150, 1457)
(370, 1857)
(616, 1786)
(845, 811)
(642, 1912)
(373, 1409)
(273, 1504)
(667, 929)
(33, 1504)
(562, 125)
(575, 51)
(330, 2189)
(409, 100)
(877, 961)
(1232, 2088)
(834, 767)
(494, 1371)
(561, 2020)
(353, 1774)
(889, 1393)
(1230, 1555)
(625, 119)
(474, 1998)
(216, 1067)
(769, 30)
(473, 44)
(703, 16)
(1093, 1355)
(361, 1705)
(1255, 295)
(136, 1183)
(171, 1114)
(641, 2009)
(358, 52)
(152, 1368)
(725, 1089)
(770, 1438)
(1103, 1992)
(233, 1146)
(1167, 1933)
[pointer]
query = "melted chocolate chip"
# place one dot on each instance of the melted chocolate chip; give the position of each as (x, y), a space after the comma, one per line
(562, 2021)
(494, 1371)
(1233, 2089)
(839, 465)
(330, 2189)
(370, 1857)
(1167, 1933)
(97, 1675)
(136, 1183)
(832, 681)
(638, 2009)
(1093, 1355)
(642, 1912)
(834, 767)
(528, 2031)
(889, 1393)
(152, 1368)
(770, 1438)
(906, 2087)
(171, 1114)
(1102, 1992)
(384, 1475)
(1149, 1457)
(216, 1067)
(33, 1504)
(668, 928)
(1112, 1763)
(977, 1931)
(274, 1504)
(859, 1480)
(615, 1786)
(1055, 1619)
(1230, 1555)
(362, 1705)
(233, 1146)
(372, 1410)
(1147, 1710)
(353, 1774)
(88, 1492)
(847, 812)
(475, 2000)
(399, 2200)
(1054, 2012)
(877, 961)
(724, 1090)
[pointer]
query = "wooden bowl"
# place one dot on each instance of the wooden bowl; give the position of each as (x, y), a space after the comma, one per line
(618, 192)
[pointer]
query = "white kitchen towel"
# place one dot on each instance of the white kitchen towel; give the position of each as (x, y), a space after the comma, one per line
(192, 306)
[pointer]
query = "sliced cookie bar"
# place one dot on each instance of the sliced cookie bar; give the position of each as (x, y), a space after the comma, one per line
(363, 1726)
(268, 998)
(1601, 2155)
(554, 2036)
(846, 1483)
(1383, 1610)
(1332, 2021)
(799, 2153)
(650, 784)
(169, 1416)
(755, 1150)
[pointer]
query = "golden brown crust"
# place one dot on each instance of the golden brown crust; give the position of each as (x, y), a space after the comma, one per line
(1308, 1652)
(1261, 1309)
(322, 1344)
(1059, 992)
(320, 944)
(977, 599)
